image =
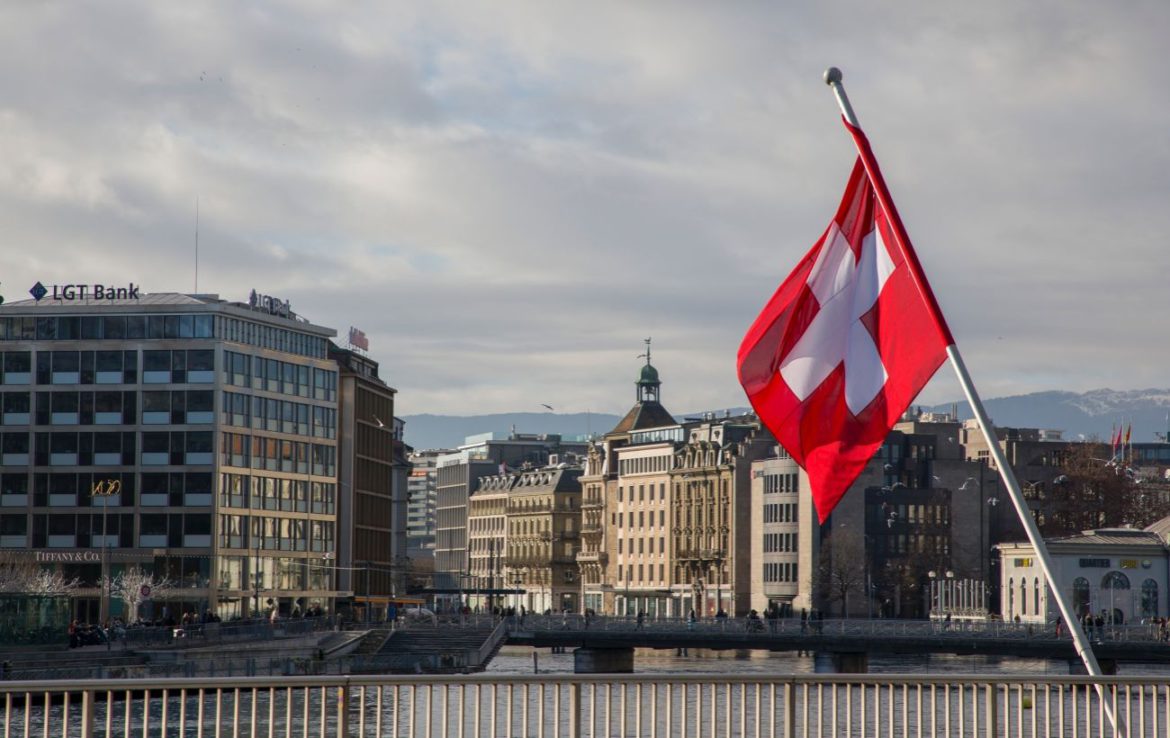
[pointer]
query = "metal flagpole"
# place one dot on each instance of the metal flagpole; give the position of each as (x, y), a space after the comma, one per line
(833, 79)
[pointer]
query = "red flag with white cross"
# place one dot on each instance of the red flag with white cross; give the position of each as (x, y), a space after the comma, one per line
(847, 342)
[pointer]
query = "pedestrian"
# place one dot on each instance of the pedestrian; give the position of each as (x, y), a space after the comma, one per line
(803, 620)
(1059, 627)
(641, 619)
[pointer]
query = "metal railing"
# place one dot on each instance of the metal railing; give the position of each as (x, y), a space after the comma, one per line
(876, 628)
(602, 706)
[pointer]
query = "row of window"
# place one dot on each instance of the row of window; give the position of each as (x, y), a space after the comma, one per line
(274, 454)
(274, 375)
(777, 483)
(195, 366)
(271, 493)
(645, 574)
(645, 517)
(263, 574)
(95, 449)
(107, 408)
(99, 489)
(780, 542)
(280, 416)
(105, 327)
(780, 571)
(645, 545)
(645, 465)
(274, 534)
(642, 492)
(271, 337)
(780, 513)
(85, 530)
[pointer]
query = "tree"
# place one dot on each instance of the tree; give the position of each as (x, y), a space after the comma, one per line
(20, 574)
(841, 571)
(128, 585)
(1092, 491)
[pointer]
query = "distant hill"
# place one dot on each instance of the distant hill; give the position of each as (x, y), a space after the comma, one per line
(449, 431)
(1089, 414)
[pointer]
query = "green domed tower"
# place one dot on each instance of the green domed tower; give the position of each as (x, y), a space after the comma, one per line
(648, 384)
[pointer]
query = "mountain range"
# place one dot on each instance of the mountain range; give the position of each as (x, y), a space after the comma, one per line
(1092, 414)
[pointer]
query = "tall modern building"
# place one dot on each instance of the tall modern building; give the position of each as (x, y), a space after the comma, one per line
(372, 472)
(186, 435)
(420, 515)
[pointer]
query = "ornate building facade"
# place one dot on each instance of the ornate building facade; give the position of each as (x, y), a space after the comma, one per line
(544, 537)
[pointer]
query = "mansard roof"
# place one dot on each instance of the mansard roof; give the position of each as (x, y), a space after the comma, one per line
(647, 414)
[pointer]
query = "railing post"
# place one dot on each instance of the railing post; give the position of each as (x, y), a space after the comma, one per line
(343, 710)
(789, 710)
(86, 714)
(575, 710)
(991, 711)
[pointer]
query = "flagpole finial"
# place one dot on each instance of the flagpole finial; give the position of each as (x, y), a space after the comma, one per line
(833, 78)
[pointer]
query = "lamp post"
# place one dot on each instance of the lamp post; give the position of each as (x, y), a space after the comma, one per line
(105, 489)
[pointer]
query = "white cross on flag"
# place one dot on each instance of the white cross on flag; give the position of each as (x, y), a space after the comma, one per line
(847, 341)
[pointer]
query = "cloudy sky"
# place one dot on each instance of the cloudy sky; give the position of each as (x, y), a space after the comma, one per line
(509, 197)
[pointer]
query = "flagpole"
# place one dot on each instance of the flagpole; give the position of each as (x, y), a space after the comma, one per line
(833, 79)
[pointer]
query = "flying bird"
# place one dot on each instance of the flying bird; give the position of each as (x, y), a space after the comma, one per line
(550, 407)
(378, 421)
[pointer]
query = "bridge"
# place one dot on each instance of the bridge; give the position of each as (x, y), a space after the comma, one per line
(605, 644)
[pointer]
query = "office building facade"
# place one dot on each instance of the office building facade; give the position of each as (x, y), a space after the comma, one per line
(183, 435)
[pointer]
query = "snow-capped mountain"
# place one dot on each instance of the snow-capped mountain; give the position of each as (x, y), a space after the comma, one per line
(1095, 413)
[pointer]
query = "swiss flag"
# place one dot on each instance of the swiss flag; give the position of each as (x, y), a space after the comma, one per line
(847, 341)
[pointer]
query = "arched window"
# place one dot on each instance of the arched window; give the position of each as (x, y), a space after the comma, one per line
(1115, 580)
(1149, 598)
(1023, 596)
(1036, 595)
(1080, 596)
(1011, 597)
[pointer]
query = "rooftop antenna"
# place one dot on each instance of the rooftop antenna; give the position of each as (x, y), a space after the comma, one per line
(196, 244)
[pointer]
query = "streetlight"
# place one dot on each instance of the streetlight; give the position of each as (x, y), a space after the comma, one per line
(105, 489)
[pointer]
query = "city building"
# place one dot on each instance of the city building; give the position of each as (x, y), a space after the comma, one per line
(593, 558)
(420, 512)
(711, 514)
(926, 503)
(782, 519)
(457, 475)
(487, 541)
(372, 472)
(624, 563)
(188, 436)
(1119, 574)
(667, 518)
(543, 538)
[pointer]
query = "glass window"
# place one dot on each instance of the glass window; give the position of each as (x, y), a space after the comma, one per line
(114, 327)
(203, 326)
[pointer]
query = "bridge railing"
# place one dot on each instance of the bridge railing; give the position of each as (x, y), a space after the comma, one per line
(1141, 632)
(574, 706)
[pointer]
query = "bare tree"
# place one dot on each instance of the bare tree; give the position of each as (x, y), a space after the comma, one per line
(128, 587)
(841, 572)
(20, 574)
(1093, 491)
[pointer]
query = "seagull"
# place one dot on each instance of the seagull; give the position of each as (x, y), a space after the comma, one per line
(963, 486)
(550, 407)
(378, 421)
